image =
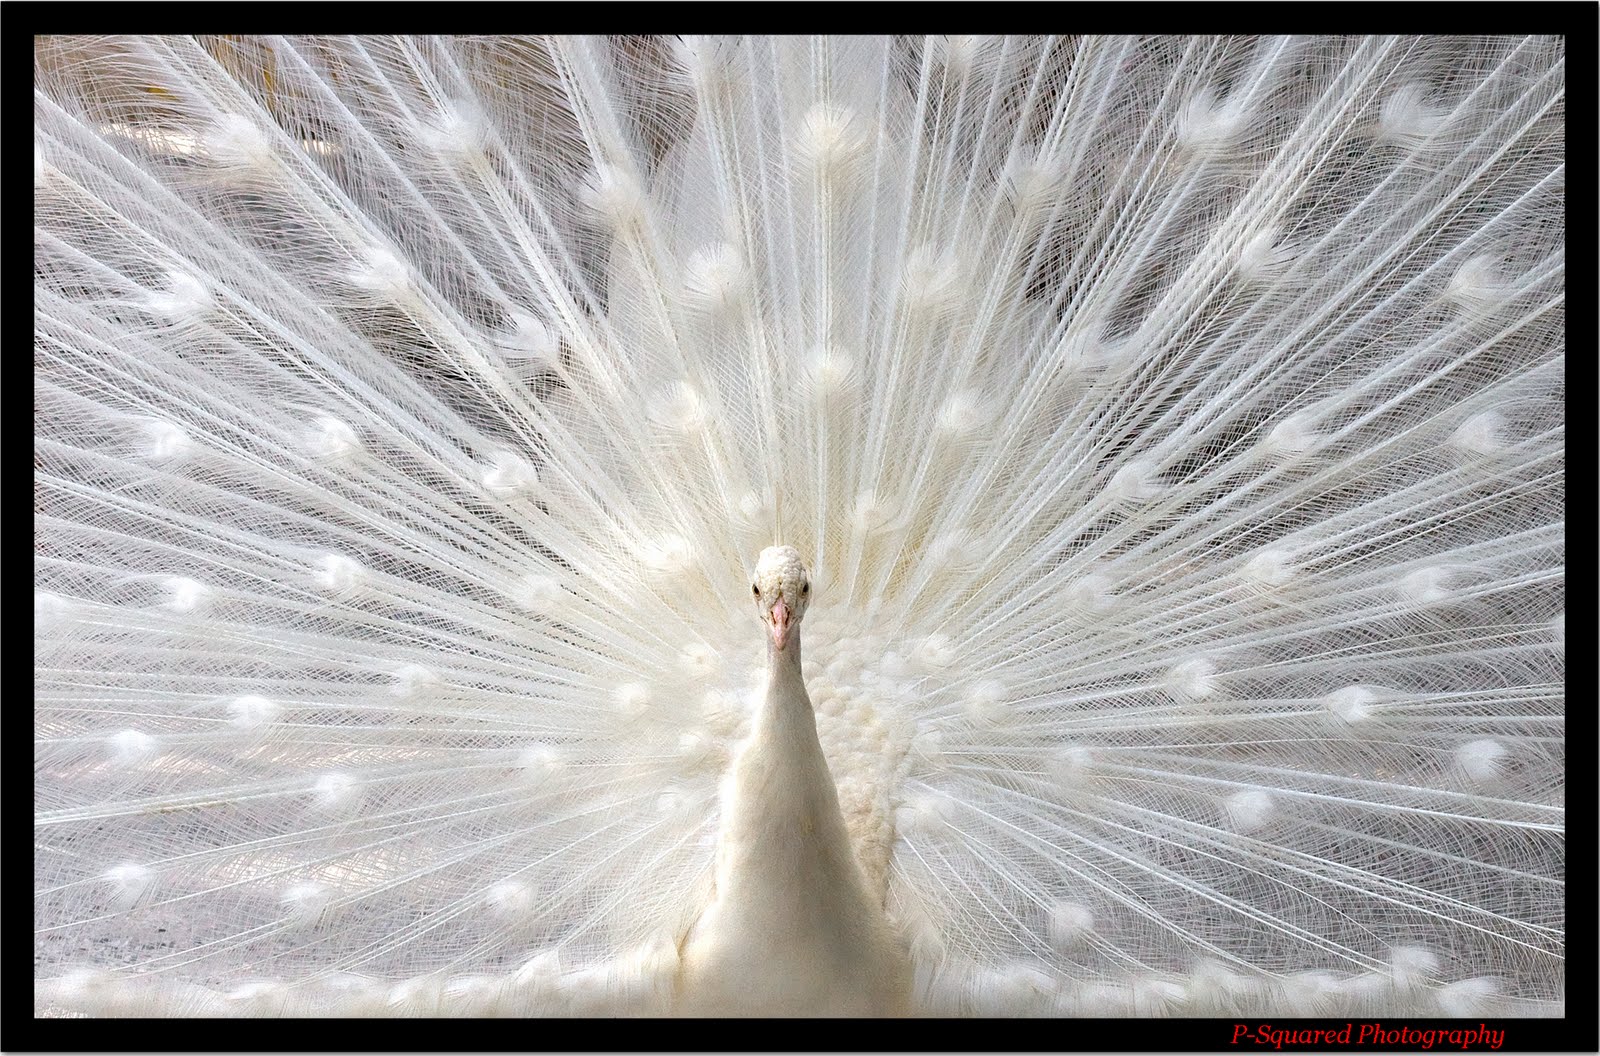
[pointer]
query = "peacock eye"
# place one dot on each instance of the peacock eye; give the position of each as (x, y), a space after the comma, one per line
(805, 588)
(755, 589)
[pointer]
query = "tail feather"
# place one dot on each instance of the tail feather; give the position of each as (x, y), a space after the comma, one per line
(1173, 428)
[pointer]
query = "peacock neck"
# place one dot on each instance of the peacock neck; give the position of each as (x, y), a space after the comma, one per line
(793, 929)
(786, 689)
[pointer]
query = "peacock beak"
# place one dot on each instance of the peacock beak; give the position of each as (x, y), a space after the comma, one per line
(780, 623)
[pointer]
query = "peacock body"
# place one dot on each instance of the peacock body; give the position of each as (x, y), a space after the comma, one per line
(1168, 434)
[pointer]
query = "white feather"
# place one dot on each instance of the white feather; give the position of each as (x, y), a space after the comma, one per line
(1171, 432)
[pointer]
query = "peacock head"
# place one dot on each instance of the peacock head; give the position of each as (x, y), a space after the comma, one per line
(782, 589)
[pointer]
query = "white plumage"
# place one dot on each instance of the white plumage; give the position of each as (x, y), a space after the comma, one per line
(795, 925)
(1168, 433)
